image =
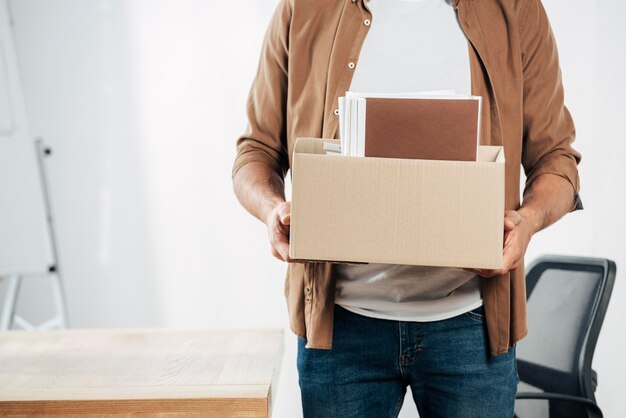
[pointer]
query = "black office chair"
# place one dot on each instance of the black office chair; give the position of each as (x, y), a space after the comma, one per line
(567, 301)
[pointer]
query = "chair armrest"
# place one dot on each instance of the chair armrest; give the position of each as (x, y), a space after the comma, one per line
(593, 408)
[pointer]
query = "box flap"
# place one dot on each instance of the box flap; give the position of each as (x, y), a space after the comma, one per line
(304, 145)
(490, 153)
(311, 145)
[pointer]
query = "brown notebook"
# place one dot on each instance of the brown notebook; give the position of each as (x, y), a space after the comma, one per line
(430, 129)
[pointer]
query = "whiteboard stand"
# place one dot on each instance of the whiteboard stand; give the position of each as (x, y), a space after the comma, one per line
(28, 243)
(10, 300)
(8, 316)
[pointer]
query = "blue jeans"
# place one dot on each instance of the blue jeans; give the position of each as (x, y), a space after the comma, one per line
(446, 363)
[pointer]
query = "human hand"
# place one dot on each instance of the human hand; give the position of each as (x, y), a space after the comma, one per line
(517, 233)
(277, 224)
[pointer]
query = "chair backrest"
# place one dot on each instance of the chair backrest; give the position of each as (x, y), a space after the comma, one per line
(567, 302)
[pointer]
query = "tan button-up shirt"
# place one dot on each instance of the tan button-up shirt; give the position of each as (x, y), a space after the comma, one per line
(308, 57)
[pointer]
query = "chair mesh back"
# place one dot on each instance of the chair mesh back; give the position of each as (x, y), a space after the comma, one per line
(560, 306)
(559, 310)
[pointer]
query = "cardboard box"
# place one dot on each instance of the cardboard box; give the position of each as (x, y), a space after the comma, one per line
(397, 211)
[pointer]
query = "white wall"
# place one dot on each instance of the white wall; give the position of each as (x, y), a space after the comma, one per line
(142, 101)
(75, 64)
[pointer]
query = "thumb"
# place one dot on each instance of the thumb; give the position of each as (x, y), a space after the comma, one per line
(511, 220)
(285, 216)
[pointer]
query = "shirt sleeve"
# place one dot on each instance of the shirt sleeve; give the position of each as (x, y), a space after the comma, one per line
(265, 137)
(548, 126)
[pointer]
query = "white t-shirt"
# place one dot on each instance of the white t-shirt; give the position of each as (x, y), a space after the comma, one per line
(412, 45)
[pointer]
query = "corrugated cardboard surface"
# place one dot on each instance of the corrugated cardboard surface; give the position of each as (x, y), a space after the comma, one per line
(397, 211)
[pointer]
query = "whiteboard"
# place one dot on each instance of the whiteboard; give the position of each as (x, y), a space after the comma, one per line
(25, 245)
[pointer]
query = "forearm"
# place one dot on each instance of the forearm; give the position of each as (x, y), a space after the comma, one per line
(259, 189)
(546, 200)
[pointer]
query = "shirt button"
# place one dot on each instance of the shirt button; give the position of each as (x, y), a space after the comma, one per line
(367, 22)
(336, 112)
(350, 65)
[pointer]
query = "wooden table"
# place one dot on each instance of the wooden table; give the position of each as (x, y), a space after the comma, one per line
(147, 372)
